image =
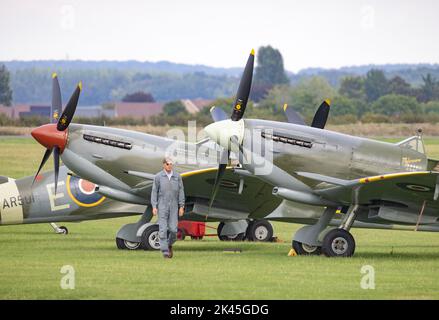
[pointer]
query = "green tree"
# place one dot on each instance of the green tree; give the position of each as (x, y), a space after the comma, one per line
(5, 90)
(269, 72)
(342, 106)
(398, 85)
(352, 87)
(138, 96)
(396, 105)
(429, 89)
(376, 85)
(173, 108)
(305, 97)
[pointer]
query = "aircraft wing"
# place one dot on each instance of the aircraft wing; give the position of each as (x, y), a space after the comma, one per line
(247, 194)
(404, 188)
(237, 197)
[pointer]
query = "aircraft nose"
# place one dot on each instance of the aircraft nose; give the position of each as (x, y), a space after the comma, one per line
(49, 136)
(222, 131)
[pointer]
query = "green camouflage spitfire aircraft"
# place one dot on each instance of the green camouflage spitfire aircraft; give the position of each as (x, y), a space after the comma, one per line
(286, 171)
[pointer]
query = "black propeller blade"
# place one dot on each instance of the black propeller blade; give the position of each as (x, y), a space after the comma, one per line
(244, 89)
(218, 114)
(56, 99)
(321, 115)
(224, 158)
(70, 109)
(45, 158)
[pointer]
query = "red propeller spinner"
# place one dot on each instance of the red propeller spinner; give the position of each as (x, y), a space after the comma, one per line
(48, 136)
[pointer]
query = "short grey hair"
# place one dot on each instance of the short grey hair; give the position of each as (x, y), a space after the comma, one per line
(167, 159)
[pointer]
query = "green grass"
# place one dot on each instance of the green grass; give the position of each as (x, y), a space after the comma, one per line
(406, 263)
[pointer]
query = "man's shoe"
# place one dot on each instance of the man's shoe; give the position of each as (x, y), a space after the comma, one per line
(166, 255)
(170, 252)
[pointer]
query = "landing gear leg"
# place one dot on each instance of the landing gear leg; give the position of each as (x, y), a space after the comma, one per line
(59, 230)
(128, 236)
(340, 242)
(306, 239)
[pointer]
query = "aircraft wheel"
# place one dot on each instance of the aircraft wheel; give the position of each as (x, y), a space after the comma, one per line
(304, 249)
(150, 238)
(338, 243)
(63, 230)
(260, 230)
(124, 244)
(235, 237)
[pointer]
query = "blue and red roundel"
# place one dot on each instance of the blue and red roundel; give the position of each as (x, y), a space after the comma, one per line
(83, 192)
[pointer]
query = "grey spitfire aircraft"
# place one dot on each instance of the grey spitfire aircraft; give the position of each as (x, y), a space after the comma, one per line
(374, 184)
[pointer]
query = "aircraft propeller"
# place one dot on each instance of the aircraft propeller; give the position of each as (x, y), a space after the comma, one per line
(54, 136)
(237, 114)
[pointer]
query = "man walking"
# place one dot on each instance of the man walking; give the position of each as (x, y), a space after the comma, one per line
(167, 200)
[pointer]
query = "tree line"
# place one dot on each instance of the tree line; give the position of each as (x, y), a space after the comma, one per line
(376, 96)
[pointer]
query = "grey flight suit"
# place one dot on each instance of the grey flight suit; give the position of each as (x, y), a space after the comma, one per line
(167, 196)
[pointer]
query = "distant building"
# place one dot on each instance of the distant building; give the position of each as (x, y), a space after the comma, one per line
(196, 105)
(120, 110)
(137, 109)
(93, 112)
(36, 111)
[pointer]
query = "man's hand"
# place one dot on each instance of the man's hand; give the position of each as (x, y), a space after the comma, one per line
(181, 211)
(154, 211)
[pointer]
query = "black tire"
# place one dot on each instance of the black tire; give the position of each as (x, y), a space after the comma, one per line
(247, 232)
(119, 243)
(236, 237)
(303, 249)
(150, 238)
(260, 230)
(338, 243)
(64, 230)
(124, 244)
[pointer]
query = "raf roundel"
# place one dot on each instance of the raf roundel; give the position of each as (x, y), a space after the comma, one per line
(82, 192)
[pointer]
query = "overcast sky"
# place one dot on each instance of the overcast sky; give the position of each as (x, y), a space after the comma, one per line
(221, 33)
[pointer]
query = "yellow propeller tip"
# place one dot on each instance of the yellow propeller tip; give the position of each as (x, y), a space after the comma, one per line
(54, 75)
(80, 85)
(328, 101)
(285, 106)
(253, 52)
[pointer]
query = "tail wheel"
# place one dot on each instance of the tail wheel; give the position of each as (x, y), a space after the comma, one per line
(338, 243)
(260, 230)
(64, 230)
(150, 238)
(304, 249)
(235, 237)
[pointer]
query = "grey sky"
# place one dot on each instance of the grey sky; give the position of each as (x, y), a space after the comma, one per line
(221, 33)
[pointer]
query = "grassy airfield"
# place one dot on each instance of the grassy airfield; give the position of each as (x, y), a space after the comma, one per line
(31, 256)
